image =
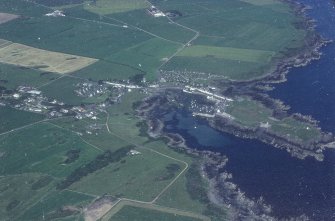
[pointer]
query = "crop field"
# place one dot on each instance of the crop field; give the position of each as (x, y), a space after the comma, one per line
(22, 55)
(115, 6)
(5, 17)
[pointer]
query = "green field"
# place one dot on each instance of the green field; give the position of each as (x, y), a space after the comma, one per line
(235, 54)
(55, 169)
(115, 6)
(134, 178)
(11, 118)
(140, 214)
(18, 194)
(51, 206)
(244, 31)
(251, 114)
(42, 148)
(13, 76)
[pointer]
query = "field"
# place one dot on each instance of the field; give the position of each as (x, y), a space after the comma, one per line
(132, 211)
(235, 54)
(51, 203)
(46, 153)
(251, 114)
(115, 6)
(19, 192)
(22, 55)
(12, 76)
(134, 178)
(5, 17)
(244, 31)
(54, 169)
(11, 118)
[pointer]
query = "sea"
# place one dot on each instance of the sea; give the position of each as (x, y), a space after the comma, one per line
(291, 186)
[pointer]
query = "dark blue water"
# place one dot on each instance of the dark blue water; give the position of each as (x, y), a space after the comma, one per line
(311, 90)
(293, 187)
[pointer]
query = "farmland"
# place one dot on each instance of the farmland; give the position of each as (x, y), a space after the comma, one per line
(22, 55)
(5, 17)
(235, 25)
(110, 7)
(87, 68)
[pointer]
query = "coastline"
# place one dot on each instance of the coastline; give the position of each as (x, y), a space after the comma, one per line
(222, 191)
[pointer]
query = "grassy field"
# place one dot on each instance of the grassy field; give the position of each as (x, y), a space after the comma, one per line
(19, 192)
(116, 6)
(109, 70)
(157, 26)
(244, 31)
(12, 76)
(147, 55)
(47, 61)
(25, 152)
(134, 178)
(51, 206)
(236, 54)
(11, 118)
(251, 114)
(143, 214)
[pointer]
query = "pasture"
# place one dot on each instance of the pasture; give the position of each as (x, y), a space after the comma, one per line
(12, 76)
(105, 7)
(236, 54)
(11, 118)
(42, 148)
(132, 211)
(18, 192)
(253, 34)
(140, 177)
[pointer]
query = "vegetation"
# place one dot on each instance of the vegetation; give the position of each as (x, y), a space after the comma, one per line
(57, 205)
(140, 214)
(250, 33)
(115, 6)
(51, 170)
(11, 118)
(252, 114)
(99, 162)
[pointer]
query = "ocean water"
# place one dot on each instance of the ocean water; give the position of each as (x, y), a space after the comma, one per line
(291, 186)
(310, 90)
